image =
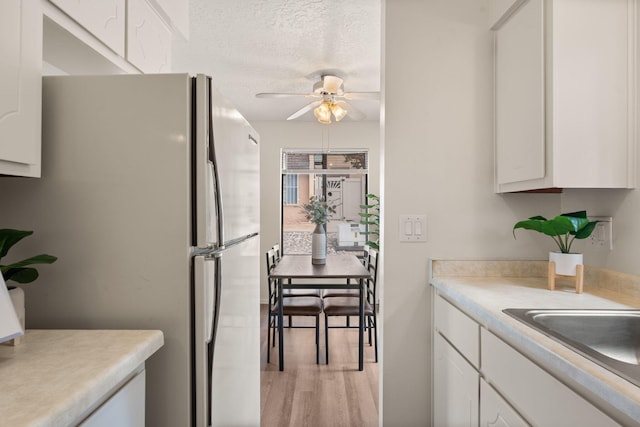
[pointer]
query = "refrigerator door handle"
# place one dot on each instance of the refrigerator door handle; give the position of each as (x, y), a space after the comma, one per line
(215, 177)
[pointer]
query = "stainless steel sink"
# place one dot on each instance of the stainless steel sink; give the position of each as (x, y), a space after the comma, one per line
(610, 338)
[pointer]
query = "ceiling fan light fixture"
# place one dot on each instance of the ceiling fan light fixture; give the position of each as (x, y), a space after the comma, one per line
(323, 113)
(332, 84)
(338, 112)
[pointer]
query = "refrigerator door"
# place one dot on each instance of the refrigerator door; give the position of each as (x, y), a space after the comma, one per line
(208, 203)
(237, 154)
(235, 381)
(114, 205)
(206, 298)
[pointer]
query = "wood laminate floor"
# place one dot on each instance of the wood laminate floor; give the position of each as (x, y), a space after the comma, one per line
(307, 394)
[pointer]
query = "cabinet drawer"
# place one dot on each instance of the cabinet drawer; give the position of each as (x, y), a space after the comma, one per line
(124, 409)
(459, 329)
(533, 392)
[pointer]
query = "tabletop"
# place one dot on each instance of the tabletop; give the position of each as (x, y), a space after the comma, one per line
(337, 267)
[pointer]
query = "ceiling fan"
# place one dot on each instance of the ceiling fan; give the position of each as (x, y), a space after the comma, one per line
(330, 100)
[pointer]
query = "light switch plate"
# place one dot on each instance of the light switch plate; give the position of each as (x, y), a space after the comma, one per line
(413, 228)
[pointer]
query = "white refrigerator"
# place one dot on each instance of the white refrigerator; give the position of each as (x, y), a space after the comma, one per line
(149, 197)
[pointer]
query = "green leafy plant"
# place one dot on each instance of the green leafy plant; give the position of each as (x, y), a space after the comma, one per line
(19, 271)
(563, 229)
(371, 218)
(318, 210)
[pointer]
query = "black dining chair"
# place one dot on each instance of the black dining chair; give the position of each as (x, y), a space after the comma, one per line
(350, 306)
(294, 292)
(332, 293)
(292, 306)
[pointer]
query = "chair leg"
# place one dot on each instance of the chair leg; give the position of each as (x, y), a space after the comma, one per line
(317, 339)
(290, 321)
(375, 334)
(326, 338)
(275, 325)
(369, 328)
(348, 322)
(269, 338)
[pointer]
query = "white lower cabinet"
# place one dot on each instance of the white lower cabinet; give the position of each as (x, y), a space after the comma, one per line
(455, 385)
(506, 388)
(495, 411)
(125, 408)
(537, 395)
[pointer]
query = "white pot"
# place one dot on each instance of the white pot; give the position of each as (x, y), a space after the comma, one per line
(319, 245)
(17, 298)
(565, 263)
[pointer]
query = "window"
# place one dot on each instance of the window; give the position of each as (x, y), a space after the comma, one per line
(340, 176)
(290, 189)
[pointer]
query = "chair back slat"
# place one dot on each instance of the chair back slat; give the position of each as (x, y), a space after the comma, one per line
(372, 266)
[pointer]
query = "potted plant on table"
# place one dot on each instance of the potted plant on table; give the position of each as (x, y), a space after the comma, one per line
(563, 229)
(20, 272)
(317, 211)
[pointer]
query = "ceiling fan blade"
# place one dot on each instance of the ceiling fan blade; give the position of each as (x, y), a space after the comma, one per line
(304, 110)
(374, 96)
(352, 112)
(281, 95)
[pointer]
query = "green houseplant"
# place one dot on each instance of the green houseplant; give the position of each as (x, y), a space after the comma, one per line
(318, 211)
(19, 272)
(371, 218)
(563, 229)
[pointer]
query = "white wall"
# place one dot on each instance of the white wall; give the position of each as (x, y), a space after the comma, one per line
(304, 134)
(438, 160)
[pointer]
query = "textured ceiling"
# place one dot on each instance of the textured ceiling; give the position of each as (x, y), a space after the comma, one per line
(253, 46)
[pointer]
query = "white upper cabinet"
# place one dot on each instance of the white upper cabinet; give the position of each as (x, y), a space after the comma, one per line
(113, 36)
(565, 94)
(105, 19)
(177, 12)
(148, 39)
(20, 87)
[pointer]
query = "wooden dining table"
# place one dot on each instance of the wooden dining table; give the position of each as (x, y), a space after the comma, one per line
(292, 268)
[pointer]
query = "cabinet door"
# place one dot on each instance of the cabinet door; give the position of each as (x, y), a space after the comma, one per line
(537, 395)
(148, 39)
(456, 387)
(495, 412)
(178, 13)
(104, 19)
(20, 87)
(520, 95)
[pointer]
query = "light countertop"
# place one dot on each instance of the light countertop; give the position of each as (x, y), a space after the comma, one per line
(57, 377)
(510, 285)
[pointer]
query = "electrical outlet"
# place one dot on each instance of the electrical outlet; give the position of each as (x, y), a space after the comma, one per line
(602, 235)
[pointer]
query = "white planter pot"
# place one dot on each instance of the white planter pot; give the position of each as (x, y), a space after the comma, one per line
(565, 263)
(319, 245)
(17, 299)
